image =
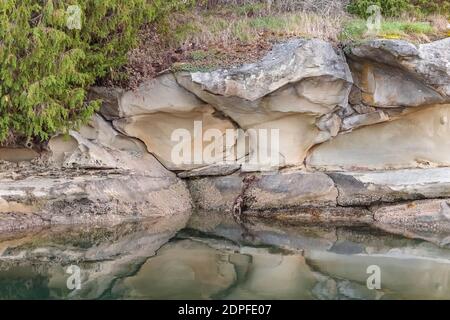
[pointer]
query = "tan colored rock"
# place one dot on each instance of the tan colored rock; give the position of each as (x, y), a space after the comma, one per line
(428, 61)
(367, 188)
(269, 191)
(99, 145)
(418, 139)
(361, 120)
(17, 154)
(161, 94)
(286, 63)
(388, 86)
(87, 199)
(297, 82)
(157, 132)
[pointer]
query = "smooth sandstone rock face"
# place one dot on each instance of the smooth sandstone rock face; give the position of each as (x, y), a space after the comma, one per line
(418, 139)
(161, 94)
(156, 131)
(390, 86)
(288, 89)
(96, 175)
(98, 145)
(158, 108)
(428, 62)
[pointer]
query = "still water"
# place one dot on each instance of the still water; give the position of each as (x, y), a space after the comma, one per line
(211, 259)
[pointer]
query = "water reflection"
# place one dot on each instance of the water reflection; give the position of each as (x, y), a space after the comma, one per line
(211, 260)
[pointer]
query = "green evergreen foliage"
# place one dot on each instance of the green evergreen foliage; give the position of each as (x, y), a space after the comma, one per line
(46, 66)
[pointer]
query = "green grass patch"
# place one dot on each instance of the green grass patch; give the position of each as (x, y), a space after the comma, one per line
(357, 29)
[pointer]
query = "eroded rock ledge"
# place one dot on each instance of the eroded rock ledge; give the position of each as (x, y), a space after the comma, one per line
(364, 137)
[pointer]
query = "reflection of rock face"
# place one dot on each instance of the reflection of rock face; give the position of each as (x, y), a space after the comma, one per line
(288, 262)
(192, 270)
(39, 260)
(181, 270)
(407, 277)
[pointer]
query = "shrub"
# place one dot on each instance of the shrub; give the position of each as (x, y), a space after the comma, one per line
(389, 8)
(393, 8)
(46, 66)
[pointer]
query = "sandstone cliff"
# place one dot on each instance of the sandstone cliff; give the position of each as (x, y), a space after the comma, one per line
(363, 136)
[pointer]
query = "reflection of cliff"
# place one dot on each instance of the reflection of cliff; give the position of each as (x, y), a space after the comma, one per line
(36, 264)
(136, 261)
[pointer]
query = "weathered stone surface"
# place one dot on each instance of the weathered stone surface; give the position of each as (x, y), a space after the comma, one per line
(215, 193)
(161, 94)
(289, 62)
(361, 120)
(429, 62)
(270, 192)
(89, 198)
(156, 131)
(366, 188)
(418, 139)
(287, 90)
(425, 219)
(211, 170)
(17, 154)
(98, 146)
(290, 190)
(389, 86)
